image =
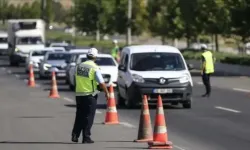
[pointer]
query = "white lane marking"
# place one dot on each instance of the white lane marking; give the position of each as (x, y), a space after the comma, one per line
(179, 147)
(9, 71)
(227, 109)
(18, 76)
(199, 83)
(126, 124)
(241, 90)
(68, 99)
(3, 68)
(98, 112)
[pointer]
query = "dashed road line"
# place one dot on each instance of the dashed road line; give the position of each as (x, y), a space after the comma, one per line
(126, 124)
(18, 76)
(25, 80)
(3, 68)
(68, 99)
(227, 109)
(9, 71)
(241, 90)
(199, 83)
(179, 147)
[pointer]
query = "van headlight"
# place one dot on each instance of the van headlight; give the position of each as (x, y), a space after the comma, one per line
(47, 66)
(184, 79)
(137, 78)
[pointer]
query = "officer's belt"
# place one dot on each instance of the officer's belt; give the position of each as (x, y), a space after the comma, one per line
(87, 93)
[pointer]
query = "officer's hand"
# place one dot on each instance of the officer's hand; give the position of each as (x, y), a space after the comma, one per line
(107, 96)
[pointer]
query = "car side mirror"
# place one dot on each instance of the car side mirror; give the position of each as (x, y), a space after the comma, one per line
(122, 68)
(190, 66)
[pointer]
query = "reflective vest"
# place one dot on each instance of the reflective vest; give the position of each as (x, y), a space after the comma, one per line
(86, 83)
(208, 56)
(114, 52)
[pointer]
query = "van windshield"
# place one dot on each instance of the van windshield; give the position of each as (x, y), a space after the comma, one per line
(3, 40)
(29, 40)
(156, 62)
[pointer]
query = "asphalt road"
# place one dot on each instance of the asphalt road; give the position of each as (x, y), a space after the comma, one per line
(30, 120)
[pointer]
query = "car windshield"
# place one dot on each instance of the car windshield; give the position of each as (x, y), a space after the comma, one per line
(102, 61)
(3, 40)
(58, 56)
(156, 62)
(39, 53)
(29, 40)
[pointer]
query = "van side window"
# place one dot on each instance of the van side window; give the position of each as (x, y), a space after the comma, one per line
(126, 61)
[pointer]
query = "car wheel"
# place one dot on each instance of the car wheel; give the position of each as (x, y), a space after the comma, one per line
(120, 100)
(41, 76)
(187, 104)
(129, 102)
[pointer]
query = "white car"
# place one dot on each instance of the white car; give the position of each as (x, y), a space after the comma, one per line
(108, 67)
(58, 44)
(35, 58)
(74, 53)
(59, 49)
(54, 61)
(4, 43)
(154, 70)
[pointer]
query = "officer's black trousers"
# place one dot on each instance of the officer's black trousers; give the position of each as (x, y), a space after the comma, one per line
(206, 82)
(85, 114)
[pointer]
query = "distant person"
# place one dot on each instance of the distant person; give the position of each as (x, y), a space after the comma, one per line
(207, 68)
(115, 51)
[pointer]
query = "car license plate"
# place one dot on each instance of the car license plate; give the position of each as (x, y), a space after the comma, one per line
(106, 79)
(163, 91)
(61, 74)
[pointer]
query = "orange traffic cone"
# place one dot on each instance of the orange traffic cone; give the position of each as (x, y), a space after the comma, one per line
(160, 138)
(54, 91)
(31, 82)
(111, 114)
(145, 128)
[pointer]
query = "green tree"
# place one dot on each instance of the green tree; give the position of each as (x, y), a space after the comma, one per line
(49, 14)
(94, 15)
(3, 10)
(165, 19)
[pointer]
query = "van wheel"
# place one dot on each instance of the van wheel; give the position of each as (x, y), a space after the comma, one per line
(120, 100)
(187, 105)
(129, 102)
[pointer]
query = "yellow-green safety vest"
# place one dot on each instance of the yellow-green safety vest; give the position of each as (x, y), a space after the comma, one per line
(114, 52)
(86, 83)
(208, 56)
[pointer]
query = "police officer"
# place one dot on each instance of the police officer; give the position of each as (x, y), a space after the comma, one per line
(207, 68)
(115, 50)
(88, 77)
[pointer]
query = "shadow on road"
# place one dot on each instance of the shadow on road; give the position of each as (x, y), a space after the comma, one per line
(35, 117)
(127, 147)
(59, 89)
(16, 142)
(216, 74)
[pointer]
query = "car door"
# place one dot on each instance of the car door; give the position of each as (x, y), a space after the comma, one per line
(122, 75)
(72, 70)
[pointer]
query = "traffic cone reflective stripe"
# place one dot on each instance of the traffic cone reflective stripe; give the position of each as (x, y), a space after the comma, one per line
(111, 114)
(145, 129)
(54, 91)
(160, 138)
(31, 82)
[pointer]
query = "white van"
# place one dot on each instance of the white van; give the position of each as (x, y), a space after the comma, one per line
(3, 43)
(154, 70)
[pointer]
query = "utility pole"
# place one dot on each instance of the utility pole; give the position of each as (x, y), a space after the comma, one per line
(128, 41)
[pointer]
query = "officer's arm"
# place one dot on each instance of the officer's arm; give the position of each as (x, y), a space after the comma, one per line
(203, 63)
(100, 81)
